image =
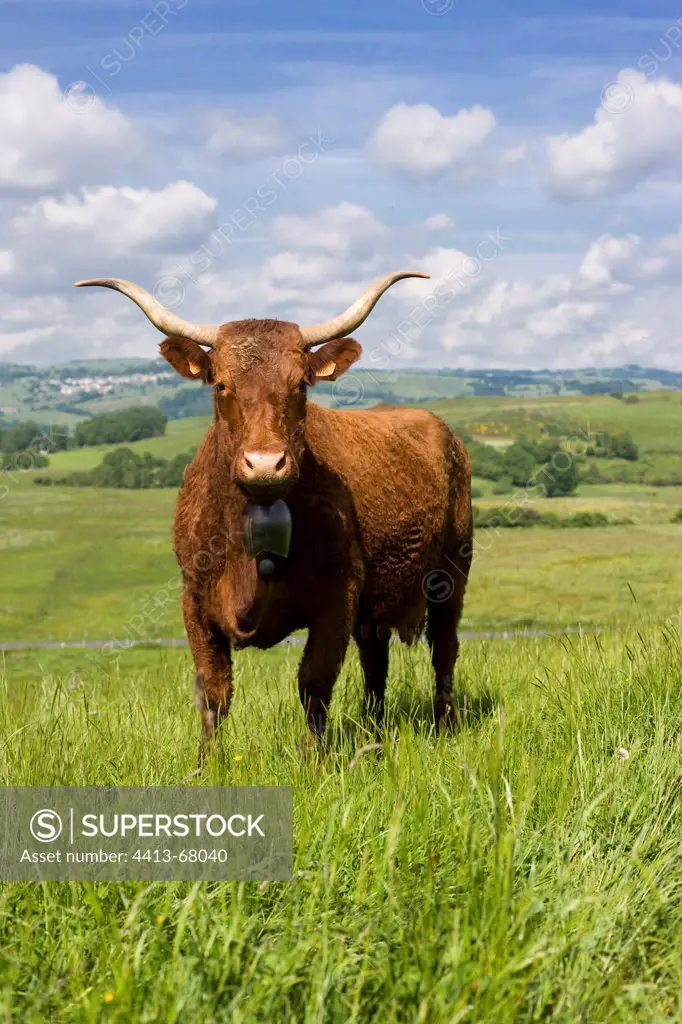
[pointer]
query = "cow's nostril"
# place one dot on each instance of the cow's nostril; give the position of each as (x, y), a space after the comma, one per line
(282, 463)
(249, 463)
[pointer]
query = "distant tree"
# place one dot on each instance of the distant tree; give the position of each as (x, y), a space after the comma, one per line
(542, 450)
(559, 477)
(623, 447)
(124, 468)
(190, 401)
(34, 437)
(519, 464)
(614, 446)
(486, 461)
(171, 474)
(134, 424)
(23, 460)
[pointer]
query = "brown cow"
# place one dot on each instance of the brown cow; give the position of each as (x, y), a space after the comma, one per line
(380, 502)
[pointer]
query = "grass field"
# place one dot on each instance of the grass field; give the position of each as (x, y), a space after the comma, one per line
(97, 564)
(655, 421)
(180, 436)
(524, 869)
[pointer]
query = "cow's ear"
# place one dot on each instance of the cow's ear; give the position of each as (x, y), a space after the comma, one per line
(333, 359)
(188, 358)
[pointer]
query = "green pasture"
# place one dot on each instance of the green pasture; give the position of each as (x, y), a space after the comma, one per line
(180, 436)
(97, 564)
(654, 421)
(525, 868)
(88, 563)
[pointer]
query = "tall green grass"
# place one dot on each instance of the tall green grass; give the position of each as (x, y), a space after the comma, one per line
(526, 868)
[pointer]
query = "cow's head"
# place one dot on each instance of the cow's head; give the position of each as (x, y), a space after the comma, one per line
(260, 371)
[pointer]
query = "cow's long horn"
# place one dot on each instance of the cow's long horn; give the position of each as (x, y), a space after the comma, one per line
(346, 322)
(162, 318)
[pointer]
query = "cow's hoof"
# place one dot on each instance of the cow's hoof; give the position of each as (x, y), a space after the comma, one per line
(448, 717)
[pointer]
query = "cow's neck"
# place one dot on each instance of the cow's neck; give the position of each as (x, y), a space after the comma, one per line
(243, 599)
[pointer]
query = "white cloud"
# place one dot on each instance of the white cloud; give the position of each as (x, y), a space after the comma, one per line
(607, 259)
(49, 142)
(617, 303)
(422, 143)
(120, 220)
(100, 232)
(624, 343)
(636, 136)
(438, 222)
(470, 314)
(514, 300)
(239, 138)
(7, 262)
(561, 319)
(513, 155)
(342, 230)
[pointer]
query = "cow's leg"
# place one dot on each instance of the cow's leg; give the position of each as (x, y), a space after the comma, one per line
(372, 644)
(441, 632)
(213, 663)
(321, 663)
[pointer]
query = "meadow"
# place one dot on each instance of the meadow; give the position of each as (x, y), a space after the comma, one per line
(523, 868)
(526, 868)
(97, 564)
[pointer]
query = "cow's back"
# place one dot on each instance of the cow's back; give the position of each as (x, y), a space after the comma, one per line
(401, 467)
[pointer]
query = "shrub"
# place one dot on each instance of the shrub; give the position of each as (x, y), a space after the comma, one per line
(189, 401)
(586, 519)
(23, 460)
(519, 464)
(34, 437)
(559, 480)
(486, 461)
(506, 517)
(614, 446)
(134, 424)
(543, 451)
(510, 516)
(125, 468)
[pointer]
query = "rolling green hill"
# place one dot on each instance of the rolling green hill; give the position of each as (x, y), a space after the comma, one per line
(66, 392)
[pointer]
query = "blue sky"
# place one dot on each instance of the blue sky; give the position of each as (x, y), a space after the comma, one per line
(445, 123)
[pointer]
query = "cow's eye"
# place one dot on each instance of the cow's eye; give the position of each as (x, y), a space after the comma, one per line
(221, 388)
